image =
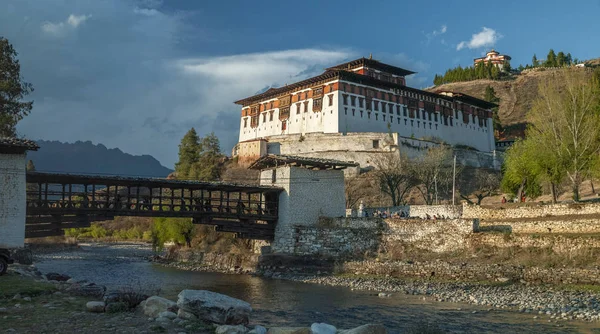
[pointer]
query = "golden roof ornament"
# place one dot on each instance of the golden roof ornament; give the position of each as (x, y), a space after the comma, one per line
(370, 56)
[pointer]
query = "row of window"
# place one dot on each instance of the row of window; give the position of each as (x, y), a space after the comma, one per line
(448, 121)
(414, 112)
(389, 96)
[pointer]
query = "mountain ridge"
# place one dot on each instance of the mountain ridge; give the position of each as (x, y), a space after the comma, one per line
(84, 157)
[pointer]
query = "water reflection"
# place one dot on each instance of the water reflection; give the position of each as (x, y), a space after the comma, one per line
(285, 303)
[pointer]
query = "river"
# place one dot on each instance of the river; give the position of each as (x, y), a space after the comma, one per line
(287, 303)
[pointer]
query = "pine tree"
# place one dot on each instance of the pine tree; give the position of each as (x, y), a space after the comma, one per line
(189, 154)
(30, 166)
(569, 59)
(12, 90)
(494, 72)
(561, 59)
(550, 59)
(208, 167)
(534, 61)
(506, 68)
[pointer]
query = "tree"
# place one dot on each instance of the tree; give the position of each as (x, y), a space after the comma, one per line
(189, 150)
(518, 173)
(394, 175)
(561, 59)
(566, 120)
(433, 170)
(551, 59)
(534, 61)
(506, 67)
(178, 230)
(356, 188)
(481, 184)
(12, 90)
(30, 166)
(569, 59)
(490, 96)
(199, 159)
(209, 165)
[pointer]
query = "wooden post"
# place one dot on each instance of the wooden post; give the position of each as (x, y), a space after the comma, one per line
(160, 189)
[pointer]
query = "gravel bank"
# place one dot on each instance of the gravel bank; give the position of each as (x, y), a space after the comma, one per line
(539, 301)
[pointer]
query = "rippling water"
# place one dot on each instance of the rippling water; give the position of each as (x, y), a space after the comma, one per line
(286, 303)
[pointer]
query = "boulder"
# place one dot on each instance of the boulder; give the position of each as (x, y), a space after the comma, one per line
(229, 329)
(87, 289)
(57, 277)
(163, 320)
(367, 329)
(214, 307)
(258, 330)
(154, 305)
(181, 314)
(96, 307)
(168, 315)
(322, 328)
(289, 330)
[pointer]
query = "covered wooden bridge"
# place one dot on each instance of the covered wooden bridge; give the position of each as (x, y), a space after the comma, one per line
(59, 201)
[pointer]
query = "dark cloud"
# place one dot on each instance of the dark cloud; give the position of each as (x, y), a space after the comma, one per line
(124, 73)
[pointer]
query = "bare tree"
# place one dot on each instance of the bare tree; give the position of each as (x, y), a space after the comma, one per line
(480, 183)
(433, 170)
(566, 120)
(393, 173)
(357, 188)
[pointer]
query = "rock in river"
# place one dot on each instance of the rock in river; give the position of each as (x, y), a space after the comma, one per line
(317, 328)
(154, 305)
(367, 329)
(96, 307)
(228, 329)
(214, 307)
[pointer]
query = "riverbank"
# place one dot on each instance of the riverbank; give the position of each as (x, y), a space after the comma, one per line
(284, 299)
(541, 301)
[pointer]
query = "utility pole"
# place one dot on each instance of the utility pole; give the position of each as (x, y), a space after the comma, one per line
(453, 179)
(435, 183)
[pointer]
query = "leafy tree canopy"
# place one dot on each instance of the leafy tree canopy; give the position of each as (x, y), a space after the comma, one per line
(12, 90)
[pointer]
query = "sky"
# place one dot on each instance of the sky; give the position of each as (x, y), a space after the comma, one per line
(138, 74)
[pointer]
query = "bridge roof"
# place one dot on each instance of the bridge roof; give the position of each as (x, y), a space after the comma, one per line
(35, 177)
(273, 160)
(17, 145)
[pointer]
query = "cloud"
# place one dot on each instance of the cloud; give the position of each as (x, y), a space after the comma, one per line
(485, 38)
(61, 28)
(431, 35)
(441, 31)
(134, 80)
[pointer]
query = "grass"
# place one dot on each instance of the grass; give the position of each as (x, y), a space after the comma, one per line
(580, 287)
(11, 285)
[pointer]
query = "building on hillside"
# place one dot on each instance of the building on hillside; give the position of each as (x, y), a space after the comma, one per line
(494, 57)
(363, 96)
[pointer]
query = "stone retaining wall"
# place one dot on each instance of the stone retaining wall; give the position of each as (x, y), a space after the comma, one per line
(421, 211)
(355, 236)
(510, 211)
(219, 262)
(541, 225)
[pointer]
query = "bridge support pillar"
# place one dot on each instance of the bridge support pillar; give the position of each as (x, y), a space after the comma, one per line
(308, 195)
(13, 201)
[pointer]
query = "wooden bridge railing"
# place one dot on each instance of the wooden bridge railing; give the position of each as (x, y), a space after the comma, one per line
(56, 199)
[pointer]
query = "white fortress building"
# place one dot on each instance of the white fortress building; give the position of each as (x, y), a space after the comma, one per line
(360, 106)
